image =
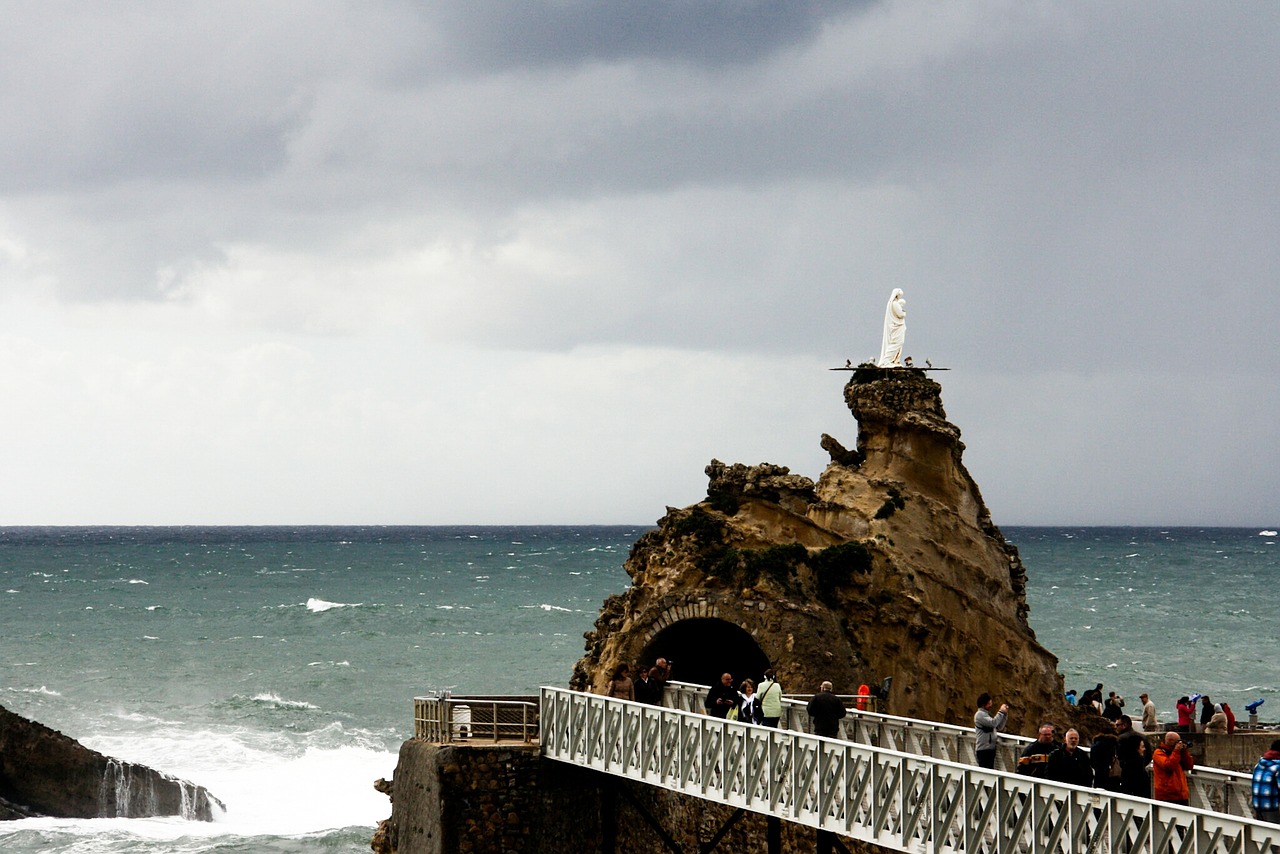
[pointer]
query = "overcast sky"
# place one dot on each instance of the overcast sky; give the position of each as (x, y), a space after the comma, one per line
(540, 261)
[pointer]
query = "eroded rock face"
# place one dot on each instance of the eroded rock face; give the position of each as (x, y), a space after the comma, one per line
(43, 772)
(888, 565)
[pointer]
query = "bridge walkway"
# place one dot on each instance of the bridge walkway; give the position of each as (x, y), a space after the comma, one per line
(899, 800)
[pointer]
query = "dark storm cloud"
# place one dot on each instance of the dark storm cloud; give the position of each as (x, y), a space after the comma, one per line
(494, 34)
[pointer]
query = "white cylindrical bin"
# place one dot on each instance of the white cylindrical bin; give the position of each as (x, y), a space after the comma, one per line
(462, 722)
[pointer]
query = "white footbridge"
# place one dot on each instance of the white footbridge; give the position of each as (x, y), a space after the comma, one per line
(901, 784)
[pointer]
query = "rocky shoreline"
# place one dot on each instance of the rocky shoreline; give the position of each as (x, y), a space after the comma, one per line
(46, 773)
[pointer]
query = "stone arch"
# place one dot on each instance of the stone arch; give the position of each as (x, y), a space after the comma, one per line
(702, 648)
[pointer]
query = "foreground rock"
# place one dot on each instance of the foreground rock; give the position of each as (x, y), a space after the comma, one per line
(888, 566)
(43, 772)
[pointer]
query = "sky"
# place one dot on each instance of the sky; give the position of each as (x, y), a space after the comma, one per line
(394, 262)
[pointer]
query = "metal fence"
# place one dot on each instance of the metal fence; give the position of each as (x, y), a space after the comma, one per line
(905, 801)
(1210, 788)
(446, 718)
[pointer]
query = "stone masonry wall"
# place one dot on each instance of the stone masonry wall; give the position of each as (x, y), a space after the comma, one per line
(507, 799)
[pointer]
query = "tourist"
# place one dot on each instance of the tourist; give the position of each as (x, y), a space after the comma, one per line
(825, 711)
(1266, 785)
(1150, 723)
(620, 685)
(1071, 697)
(1206, 711)
(1186, 710)
(986, 726)
(1169, 766)
(1113, 708)
(644, 687)
(1231, 718)
(1036, 755)
(1095, 700)
(1069, 764)
(1217, 723)
(660, 674)
(1105, 762)
(1131, 750)
(749, 703)
(721, 698)
(770, 699)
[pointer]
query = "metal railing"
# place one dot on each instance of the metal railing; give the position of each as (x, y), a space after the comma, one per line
(904, 801)
(1210, 788)
(446, 718)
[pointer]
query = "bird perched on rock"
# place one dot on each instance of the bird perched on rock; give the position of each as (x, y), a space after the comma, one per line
(928, 364)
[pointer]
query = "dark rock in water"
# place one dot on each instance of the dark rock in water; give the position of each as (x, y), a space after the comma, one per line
(43, 772)
(888, 565)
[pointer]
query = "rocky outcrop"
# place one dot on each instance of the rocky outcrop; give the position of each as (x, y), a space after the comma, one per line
(889, 565)
(43, 772)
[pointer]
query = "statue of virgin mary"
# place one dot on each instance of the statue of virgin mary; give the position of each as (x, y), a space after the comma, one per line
(895, 331)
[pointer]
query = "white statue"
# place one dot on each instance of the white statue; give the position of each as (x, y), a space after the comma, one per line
(895, 331)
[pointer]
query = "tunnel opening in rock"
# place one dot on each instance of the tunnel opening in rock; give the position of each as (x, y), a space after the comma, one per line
(700, 650)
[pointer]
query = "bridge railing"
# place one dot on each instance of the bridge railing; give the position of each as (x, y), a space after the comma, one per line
(908, 802)
(1210, 788)
(446, 718)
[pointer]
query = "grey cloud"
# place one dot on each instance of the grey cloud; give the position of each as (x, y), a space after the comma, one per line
(492, 34)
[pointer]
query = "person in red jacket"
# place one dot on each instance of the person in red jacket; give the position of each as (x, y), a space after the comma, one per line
(1169, 766)
(1186, 713)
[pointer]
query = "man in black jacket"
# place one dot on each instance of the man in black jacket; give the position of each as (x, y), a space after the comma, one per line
(825, 711)
(1069, 764)
(1035, 756)
(721, 698)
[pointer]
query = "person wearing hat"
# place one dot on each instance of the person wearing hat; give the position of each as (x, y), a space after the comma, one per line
(1217, 721)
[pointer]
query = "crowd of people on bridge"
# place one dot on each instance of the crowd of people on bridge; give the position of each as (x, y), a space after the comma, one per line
(1121, 760)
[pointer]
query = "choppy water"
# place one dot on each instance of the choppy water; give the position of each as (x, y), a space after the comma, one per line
(277, 665)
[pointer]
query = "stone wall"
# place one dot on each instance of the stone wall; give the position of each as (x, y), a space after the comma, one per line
(1237, 752)
(450, 798)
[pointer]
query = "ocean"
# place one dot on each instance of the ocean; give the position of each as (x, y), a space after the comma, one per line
(277, 666)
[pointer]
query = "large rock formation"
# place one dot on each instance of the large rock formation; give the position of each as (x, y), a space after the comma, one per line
(889, 565)
(43, 772)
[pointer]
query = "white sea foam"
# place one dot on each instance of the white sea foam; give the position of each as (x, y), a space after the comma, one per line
(138, 581)
(544, 606)
(1267, 533)
(272, 699)
(43, 689)
(271, 785)
(150, 637)
(319, 605)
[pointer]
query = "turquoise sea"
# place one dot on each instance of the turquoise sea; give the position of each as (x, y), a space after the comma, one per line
(277, 666)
